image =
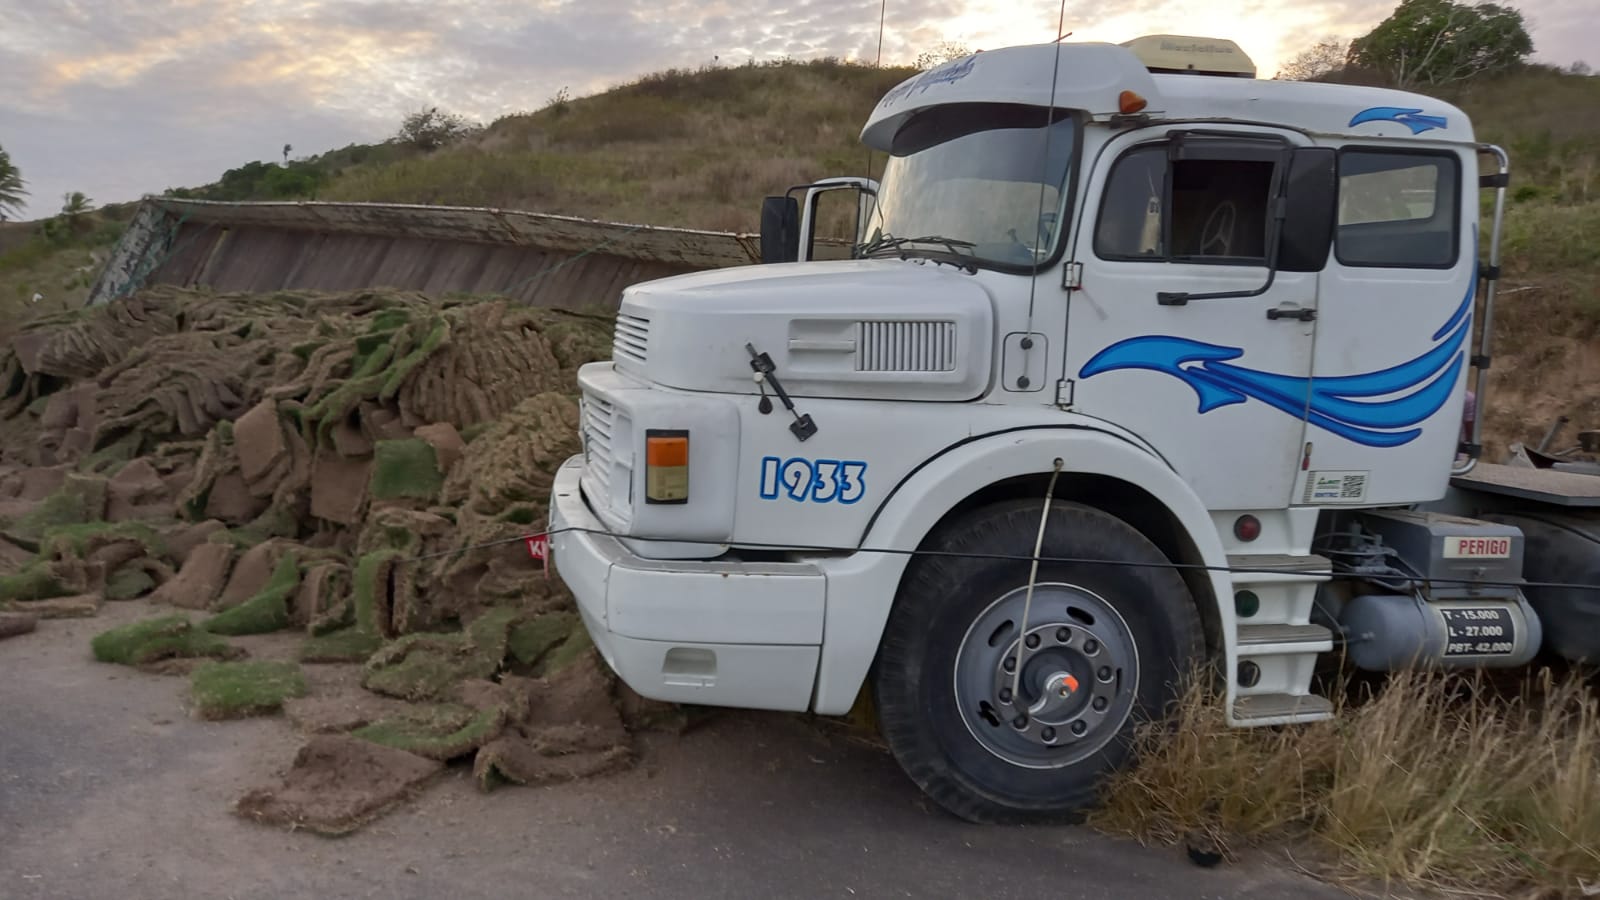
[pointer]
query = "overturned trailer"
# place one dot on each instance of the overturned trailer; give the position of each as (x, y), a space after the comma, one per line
(535, 258)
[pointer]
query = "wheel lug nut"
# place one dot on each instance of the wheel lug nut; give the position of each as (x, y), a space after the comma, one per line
(1005, 695)
(1078, 728)
(1020, 722)
(1049, 734)
(1091, 646)
(1063, 635)
(1104, 674)
(1099, 704)
(1033, 641)
(1011, 664)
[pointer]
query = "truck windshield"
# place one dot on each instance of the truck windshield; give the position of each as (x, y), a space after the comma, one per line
(966, 179)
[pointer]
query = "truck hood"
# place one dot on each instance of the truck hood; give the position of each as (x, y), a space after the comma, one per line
(870, 329)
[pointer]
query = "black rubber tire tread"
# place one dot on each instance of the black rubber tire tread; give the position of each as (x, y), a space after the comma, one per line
(940, 596)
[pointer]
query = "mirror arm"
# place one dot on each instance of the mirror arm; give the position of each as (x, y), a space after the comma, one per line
(1182, 298)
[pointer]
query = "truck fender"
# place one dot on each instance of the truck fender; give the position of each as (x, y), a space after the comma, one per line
(862, 587)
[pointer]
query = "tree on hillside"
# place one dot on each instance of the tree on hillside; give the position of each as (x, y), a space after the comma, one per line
(11, 192)
(1436, 42)
(1322, 58)
(942, 52)
(430, 129)
(75, 207)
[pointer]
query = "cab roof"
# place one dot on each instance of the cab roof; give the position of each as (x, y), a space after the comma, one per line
(1092, 76)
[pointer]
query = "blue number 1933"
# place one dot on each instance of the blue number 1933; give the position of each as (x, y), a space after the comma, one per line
(813, 480)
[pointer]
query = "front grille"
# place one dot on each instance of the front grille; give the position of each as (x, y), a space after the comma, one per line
(631, 339)
(905, 346)
(597, 420)
(608, 463)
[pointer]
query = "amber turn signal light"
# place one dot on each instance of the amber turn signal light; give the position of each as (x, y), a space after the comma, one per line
(666, 472)
(1129, 103)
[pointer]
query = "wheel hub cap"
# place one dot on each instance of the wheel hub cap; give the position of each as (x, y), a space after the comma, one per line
(1077, 680)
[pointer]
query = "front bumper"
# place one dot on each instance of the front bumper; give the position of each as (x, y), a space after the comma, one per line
(712, 633)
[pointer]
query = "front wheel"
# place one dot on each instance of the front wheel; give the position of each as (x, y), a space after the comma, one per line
(1001, 723)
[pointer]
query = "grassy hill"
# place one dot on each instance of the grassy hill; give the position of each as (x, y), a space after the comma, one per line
(701, 148)
(1547, 337)
(696, 149)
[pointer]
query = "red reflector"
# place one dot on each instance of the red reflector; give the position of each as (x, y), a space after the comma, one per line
(1247, 528)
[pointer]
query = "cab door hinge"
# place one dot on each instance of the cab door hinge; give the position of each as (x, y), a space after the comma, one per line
(1072, 276)
(1066, 388)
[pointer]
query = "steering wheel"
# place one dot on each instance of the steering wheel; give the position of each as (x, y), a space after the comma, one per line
(1044, 227)
(1047, 227)
(1218, 229)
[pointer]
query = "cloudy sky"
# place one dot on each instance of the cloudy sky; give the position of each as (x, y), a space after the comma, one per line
(118, 98)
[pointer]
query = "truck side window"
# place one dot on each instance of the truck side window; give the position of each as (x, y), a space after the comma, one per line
(1199, 210)
(1398, 209)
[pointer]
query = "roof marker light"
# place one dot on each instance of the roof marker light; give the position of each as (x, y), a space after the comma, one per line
(1129, 103)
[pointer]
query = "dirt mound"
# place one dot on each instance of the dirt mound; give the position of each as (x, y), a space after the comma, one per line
(339, 712)
(568, 728)
(13, 624)
(200, 581)
(329, 462)
(81, 343)
(337, 784)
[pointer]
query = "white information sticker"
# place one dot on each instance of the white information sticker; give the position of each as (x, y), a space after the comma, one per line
(1335, 487)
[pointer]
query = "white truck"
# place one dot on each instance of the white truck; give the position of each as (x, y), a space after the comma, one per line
(1140, 366)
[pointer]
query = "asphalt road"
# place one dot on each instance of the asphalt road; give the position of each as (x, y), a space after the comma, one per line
(108, 789)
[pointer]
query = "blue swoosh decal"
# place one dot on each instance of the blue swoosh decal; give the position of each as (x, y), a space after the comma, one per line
(1413, 119)
(1412, 391)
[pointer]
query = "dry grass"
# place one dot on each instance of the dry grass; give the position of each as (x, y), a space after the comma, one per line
(1547, 361)
(1440, 781)
(686, 148)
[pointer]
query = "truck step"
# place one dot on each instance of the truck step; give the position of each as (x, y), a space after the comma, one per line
(1278, 709)
(1258, 639)
(1269, 564)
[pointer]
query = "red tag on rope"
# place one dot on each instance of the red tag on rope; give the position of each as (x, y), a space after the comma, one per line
(539, 548)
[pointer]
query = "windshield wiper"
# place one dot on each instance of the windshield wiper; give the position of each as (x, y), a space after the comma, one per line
(888, 241)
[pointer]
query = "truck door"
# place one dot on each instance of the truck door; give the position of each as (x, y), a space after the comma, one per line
(1182, 329)
(1394, 327)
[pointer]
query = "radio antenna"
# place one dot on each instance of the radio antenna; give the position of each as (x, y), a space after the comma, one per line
(883, 9)
(1044, 179)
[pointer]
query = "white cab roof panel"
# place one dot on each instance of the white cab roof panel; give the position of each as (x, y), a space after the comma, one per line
(1329, 109)
(1092, 76)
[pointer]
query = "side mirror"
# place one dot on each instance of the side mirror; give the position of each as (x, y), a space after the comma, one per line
(1311, 194)
(780, 229)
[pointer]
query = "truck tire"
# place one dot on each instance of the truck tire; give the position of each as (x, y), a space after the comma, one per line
(1106, 646)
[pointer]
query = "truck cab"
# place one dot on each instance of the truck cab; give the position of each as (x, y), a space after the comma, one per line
(1133, 352)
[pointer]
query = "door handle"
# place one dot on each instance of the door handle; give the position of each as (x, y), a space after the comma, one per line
(1303, 315)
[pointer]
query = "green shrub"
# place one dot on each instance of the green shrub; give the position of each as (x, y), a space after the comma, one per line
(38, 581)
(345, 645)
(406, 468)
(156, 639)
(232, 690)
